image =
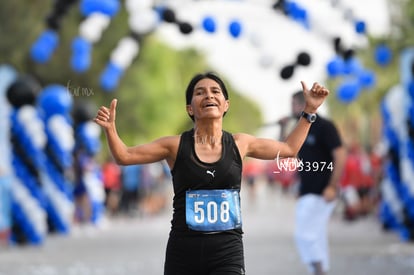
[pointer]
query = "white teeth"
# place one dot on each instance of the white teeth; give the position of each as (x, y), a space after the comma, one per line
(210, 105)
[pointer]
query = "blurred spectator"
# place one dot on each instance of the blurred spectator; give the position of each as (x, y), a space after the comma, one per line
(131, 181)
(155, 180)
(359, 182)
(349, 184)
(111, 173)
(252, 170)
(83, 208)
(282, 172)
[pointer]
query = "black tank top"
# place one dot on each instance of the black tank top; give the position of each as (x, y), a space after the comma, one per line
(190, 173)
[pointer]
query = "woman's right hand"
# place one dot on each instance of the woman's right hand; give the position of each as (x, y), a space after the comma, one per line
(106, 116)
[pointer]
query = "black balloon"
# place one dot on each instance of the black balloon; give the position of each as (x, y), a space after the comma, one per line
(339, 49)
(410, 128)
(304, 59)
(348, 54)
(168, 15)
(60, 8)
(23, 91)
(185, 28)
(53, 21)
(287, 72)
(338, 45)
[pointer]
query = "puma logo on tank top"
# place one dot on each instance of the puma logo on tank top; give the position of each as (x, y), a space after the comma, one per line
(211, 172)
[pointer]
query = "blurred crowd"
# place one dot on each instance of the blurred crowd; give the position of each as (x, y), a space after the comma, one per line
(360, 193)
(135, 190)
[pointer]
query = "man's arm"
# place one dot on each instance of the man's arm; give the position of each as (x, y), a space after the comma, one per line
(339, 159)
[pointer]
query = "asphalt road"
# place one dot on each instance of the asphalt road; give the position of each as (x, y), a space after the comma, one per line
(125, 246)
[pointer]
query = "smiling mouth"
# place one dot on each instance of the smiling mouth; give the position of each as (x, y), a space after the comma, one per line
(208, 105)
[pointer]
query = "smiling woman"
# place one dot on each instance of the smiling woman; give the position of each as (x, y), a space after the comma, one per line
(202, 89)
(206, 168)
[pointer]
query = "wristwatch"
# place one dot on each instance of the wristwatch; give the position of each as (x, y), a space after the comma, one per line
(309, 117)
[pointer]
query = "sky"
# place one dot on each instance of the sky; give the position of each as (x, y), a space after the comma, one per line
(269, 41)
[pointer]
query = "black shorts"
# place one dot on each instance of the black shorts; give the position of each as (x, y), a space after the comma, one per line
(205, 254)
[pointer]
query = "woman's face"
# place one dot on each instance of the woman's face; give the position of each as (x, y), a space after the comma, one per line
(208, 100)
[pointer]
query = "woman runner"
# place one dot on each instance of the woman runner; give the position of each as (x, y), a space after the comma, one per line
(206, 168)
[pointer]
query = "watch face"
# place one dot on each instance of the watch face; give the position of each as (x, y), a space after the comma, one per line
(309, 117)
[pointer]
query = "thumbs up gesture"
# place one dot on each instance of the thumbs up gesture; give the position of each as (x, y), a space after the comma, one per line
(105, 116)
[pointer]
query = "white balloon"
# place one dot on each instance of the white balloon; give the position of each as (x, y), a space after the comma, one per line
(26, 113)
(136, 5)
(7, 77)
(397, 102)
(266, 60)
(36, 215)
(33, 126)
(390, 196)
(62, 131)
(143, 22)
(92, 129)
(125, 52)
(93, 26)
(255, 39)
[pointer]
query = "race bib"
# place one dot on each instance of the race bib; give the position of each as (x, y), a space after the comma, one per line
(213, 210)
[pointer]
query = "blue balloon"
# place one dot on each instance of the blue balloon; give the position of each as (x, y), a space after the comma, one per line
(91, 143)
(404, 233)
(367, 79)
(43, 48)
(411, 115)
(352, 66)
(335, 67)
(81, 54)
(348, 91)
(393, 173)
(360, 27)
(297, 13)
(410, 149)
(81, 45)
(385, 113)
(383, 55)
(235, 28)
(410, 88)
(108, 7)
(80, 62)
(55, 99)
(110, 77)
(209, 24)
(291, 8)
(392, 138)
